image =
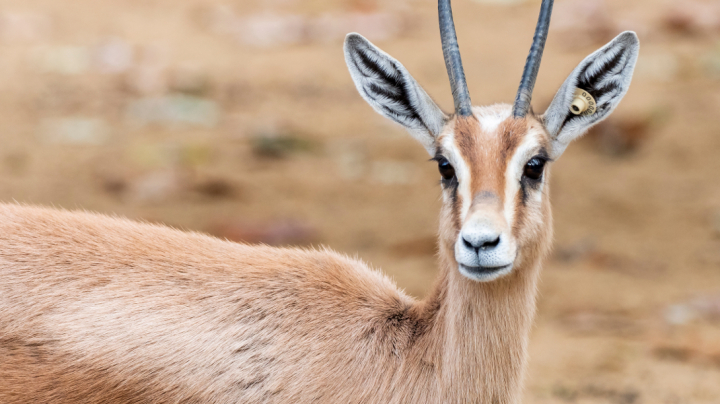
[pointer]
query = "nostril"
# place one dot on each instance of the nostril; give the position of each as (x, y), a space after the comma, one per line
(481, 242)
(490, 244)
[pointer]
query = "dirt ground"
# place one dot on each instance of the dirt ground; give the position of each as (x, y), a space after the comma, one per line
(238, 118)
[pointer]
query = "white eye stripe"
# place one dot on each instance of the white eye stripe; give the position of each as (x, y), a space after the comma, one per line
(513, 172)
(462, 172)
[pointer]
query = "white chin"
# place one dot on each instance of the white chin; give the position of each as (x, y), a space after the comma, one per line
(485, 274)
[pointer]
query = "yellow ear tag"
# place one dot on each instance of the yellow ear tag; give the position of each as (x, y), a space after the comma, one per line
(583, 103)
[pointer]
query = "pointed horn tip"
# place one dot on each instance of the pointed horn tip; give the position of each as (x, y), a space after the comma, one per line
(453, 60)
(532, 65)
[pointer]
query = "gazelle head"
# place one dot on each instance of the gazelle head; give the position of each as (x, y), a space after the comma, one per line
(494, 161)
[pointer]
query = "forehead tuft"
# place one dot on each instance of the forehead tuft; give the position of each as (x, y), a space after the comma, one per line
(492, 116)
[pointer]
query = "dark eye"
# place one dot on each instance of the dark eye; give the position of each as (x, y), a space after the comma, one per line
(534, 168)
(446, 169)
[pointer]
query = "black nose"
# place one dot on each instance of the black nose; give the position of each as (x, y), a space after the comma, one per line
(486, 243)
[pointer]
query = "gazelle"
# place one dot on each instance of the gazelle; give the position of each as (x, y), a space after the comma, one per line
(95, 309)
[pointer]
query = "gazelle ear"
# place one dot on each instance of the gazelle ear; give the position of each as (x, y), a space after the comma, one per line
(605, 76)
(388, 87)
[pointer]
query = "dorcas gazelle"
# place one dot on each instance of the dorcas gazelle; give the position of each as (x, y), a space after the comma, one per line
(95, 309)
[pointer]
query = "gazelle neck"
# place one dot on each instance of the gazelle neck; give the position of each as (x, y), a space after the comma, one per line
(482, 330)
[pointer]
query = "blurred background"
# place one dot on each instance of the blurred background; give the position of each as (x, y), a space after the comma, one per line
(238, 118)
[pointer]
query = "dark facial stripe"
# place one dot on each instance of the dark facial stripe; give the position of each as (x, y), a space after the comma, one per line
(456, 201)
(527, 188)
(520, 208)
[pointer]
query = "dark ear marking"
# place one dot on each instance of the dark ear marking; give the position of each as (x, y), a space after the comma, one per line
(606, 76)
(388, 87)
(600, 83)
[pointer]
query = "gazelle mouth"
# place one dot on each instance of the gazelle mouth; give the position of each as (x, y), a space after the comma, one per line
(485, 274)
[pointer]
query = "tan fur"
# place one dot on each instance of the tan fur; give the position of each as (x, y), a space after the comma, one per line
(488, 153)
(95, 309)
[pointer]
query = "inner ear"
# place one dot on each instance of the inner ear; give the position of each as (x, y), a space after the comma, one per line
(603, 80)
(605, 76)
(388, 87)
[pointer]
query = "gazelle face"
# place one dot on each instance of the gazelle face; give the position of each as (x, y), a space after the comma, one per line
(493, 179)
(493, 160)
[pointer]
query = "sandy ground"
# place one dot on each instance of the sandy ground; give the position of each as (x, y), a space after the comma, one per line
(171, 111)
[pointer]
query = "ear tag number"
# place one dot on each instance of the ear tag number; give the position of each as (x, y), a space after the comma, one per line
(583, 103)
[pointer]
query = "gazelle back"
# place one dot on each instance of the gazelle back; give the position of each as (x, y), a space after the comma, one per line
(95, 309)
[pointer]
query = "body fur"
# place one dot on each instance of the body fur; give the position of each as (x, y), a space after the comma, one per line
(95, 309)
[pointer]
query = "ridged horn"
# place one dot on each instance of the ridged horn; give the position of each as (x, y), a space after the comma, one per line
(532, 66)
(453, 62)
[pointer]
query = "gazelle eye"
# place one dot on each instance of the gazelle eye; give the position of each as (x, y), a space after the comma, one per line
(446, 169)
(534, 168)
